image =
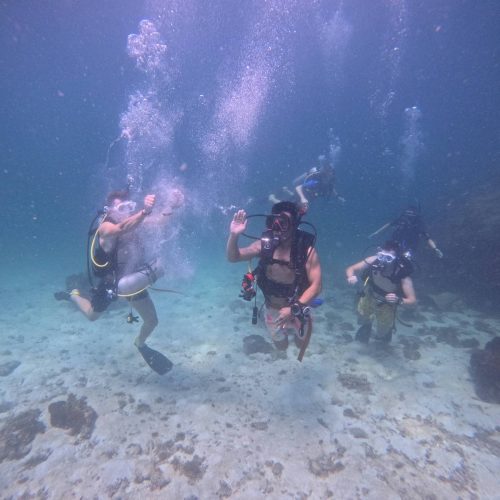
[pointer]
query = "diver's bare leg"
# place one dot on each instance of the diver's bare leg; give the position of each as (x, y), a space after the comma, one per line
(85, 306)
(147, 311)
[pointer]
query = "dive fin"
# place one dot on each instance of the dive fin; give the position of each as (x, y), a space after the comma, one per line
(62, 296)
(156, 360)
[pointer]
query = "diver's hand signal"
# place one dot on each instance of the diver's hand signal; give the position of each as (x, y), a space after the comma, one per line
(352, 280)
(149, 203)
(239, 222)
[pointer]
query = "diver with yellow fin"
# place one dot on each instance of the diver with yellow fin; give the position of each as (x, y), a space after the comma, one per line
(288, 273)
(117, 258)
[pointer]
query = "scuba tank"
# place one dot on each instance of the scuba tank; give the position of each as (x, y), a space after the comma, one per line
(135, 283)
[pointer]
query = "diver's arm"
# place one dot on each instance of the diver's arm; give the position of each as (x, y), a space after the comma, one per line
(337, 196)
(433, 246)
(236, 254)
(385, 226)
(300, 191)
(352, 271)
(160, 217)
(163, 211)
(109, 229)
(300, 179)
(409, 298)
(313, 269)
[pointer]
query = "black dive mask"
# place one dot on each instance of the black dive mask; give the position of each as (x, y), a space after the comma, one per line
(268, 243)
(279, 223)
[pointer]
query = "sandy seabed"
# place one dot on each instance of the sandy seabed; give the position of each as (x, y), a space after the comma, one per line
(350, 421)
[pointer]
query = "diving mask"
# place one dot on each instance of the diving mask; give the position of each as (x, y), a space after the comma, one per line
(279, 223)
(126, 207)
(385, 257)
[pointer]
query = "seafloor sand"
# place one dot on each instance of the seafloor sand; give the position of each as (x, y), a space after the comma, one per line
(351, 421)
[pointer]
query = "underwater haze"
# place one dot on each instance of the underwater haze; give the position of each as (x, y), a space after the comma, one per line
(227, 102)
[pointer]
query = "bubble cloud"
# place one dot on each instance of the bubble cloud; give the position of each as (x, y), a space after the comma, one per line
(147, 48)
(412, 144)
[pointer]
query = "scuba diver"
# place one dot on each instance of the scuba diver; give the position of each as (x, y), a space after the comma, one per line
(408, 229)
(318, 182)
(386, 285)
(288, 272)
(117, 256)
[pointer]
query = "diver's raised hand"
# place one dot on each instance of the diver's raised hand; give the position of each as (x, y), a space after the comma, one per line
(149, 203)
(239, 223)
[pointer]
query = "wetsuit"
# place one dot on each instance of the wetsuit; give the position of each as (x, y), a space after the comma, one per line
(126, 258)
(314, 186)
(408, 231)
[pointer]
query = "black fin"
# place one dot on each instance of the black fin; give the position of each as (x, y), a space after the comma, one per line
(364, 332)
(61, 296)
(156, 360)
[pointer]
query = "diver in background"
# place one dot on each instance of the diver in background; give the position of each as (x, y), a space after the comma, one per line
(318, 182)
(408, 229)
(387, 284)
(118, 257)
(288, 273)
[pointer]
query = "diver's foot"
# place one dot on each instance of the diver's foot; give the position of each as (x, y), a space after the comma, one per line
(66, 295)
(384, 339)
(363, 333)
(62, 295)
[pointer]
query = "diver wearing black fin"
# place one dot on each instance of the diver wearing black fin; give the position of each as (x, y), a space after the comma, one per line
(117, 258)
(289, 272)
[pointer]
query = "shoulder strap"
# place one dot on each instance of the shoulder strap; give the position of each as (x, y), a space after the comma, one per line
(300, 249)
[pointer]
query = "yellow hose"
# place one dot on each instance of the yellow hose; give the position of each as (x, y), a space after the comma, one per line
(132, 294)
(92, 246)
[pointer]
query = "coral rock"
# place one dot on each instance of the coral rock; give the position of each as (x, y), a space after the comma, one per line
(485, 371)
(73, 414)
(18, 433)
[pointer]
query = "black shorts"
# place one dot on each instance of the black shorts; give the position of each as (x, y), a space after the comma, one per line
(101, 298)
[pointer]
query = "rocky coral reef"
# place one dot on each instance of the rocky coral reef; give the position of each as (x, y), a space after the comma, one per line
(73, 414)
(18, 433)
(469, 235)
(485, 371)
